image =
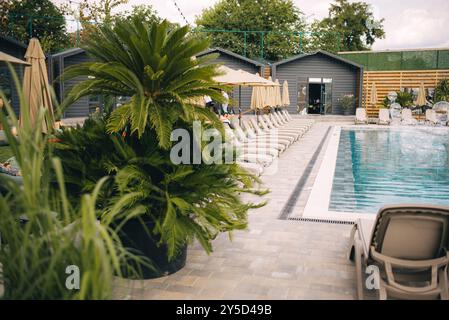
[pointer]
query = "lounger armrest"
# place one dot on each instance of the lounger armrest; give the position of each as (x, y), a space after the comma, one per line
(389, 262)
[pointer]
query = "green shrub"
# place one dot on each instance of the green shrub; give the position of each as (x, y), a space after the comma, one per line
(42, 234)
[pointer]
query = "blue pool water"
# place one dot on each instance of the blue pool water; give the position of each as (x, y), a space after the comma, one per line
(376, 167)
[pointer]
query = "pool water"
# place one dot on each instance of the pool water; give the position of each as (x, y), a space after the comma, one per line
(376, 167)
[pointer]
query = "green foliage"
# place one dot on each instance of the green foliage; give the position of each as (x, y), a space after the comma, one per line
(48, 23)
(347, 101)
(262, 15)
(156, 68)
(442, 90)
(5, 153)
(405, 99)
(42, 234)
(354, 21)
(184, 201)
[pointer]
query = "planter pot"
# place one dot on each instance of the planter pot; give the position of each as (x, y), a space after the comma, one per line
(139, 241)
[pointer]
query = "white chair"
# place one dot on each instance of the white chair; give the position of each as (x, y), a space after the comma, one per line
(431, 117)
(360, 116)
(384, 116)
(407, 117)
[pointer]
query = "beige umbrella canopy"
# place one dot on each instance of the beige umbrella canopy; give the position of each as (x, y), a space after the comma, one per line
(373, 98)
(7, 58)
(240, 78)
(277, 94)
(285, 95)
(270, 99)
(36, 88)
(258, 98)
(421, 100)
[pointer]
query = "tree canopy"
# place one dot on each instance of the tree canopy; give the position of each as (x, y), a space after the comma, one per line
(280, 17)
(23, 19)
(354, 23)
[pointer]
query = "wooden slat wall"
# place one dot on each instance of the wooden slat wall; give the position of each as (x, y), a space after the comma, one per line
(387, 81)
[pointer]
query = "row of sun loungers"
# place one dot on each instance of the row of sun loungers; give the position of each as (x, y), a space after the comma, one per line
(406, 117)
(259, 143)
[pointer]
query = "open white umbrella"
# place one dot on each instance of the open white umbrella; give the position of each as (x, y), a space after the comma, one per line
(285, 95)
(36, 87)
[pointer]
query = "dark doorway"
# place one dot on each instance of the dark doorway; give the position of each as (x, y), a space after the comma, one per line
(315, 90)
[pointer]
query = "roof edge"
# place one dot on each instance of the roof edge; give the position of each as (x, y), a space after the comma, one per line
(331, 55)
(233, 54)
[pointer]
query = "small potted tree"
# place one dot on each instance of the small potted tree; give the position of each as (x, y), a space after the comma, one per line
(347, 102)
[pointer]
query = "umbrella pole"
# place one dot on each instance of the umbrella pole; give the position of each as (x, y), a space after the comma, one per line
(240, 105)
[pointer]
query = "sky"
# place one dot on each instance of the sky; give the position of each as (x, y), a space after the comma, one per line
(408, 23)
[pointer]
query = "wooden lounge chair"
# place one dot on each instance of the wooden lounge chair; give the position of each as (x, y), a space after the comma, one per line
(408, 243)
(360, 116)
(384, 116)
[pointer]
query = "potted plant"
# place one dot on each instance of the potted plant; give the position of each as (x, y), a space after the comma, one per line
(166, 205)
(347, 102)
(405, 99)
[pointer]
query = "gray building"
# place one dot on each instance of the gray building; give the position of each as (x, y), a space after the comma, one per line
(236, 62)
(16, 49)
(60, 61)
(318, 80)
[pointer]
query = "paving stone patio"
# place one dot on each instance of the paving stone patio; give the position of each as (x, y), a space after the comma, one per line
(273, 259)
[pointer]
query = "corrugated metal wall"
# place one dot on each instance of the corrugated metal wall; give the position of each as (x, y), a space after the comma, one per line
(297, 72)
(235, 63)
(81, 107)
(18, 52)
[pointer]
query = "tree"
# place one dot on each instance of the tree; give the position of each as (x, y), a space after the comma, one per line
(35, 18)
(354, 23)
(145, 13)
(280, 17)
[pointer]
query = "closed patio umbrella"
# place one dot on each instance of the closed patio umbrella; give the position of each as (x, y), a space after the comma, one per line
(373, 98)
(285, 95)
(257, 98)
(36, 88)
(421, 100)
(277, 94)
(270, 96)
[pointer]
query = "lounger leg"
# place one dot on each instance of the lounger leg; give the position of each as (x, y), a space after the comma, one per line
(358, 253)
(443, 277)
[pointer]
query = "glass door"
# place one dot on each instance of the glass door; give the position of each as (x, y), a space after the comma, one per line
(326, 96)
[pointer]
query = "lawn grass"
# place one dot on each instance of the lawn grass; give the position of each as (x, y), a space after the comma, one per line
(5, 153)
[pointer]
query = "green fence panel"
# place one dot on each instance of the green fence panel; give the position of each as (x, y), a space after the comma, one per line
(384, 61)
(443, 59)
(419, 60)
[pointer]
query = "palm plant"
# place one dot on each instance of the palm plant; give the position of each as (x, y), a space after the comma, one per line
(42, 234)
(442, 90)
(183, 201)
(154, 66)
(405, 99)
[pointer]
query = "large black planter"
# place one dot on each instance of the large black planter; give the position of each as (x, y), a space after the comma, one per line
(135, 236)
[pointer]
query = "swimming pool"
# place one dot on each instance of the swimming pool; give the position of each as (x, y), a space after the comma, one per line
(375, 167)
